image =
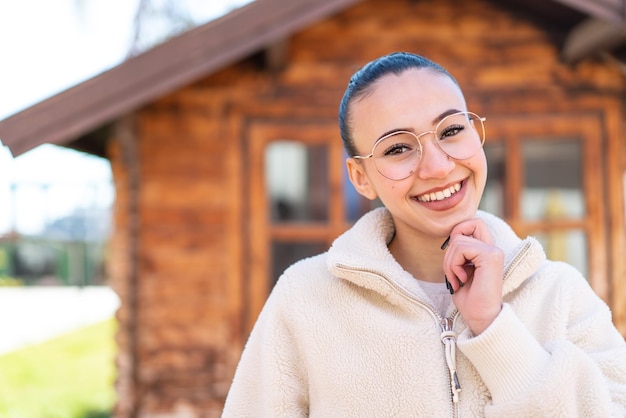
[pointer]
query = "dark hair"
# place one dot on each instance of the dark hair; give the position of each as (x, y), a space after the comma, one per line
(394, 63)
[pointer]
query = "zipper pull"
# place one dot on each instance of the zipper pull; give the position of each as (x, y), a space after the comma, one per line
(448, 338)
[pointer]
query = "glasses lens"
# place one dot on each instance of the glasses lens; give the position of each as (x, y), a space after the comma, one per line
(461, 135)
(396, 156)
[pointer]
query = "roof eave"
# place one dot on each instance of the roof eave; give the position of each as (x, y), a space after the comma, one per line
(165, 68)
(590, 37)
(613, 11)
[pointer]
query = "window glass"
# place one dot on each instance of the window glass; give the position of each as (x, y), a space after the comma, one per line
(552, 180)
(296, 177)
(493, 196)
(569, 246)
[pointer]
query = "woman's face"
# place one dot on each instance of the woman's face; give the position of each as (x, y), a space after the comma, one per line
(416, 100)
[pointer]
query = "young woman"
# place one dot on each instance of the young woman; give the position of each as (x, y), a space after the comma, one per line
(428, 306)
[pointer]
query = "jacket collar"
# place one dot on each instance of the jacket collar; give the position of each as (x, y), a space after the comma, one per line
(361, 256)
(523, 257)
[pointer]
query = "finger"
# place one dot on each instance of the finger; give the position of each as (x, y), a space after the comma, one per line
(474, 228)
(463, 249)
(463, 258)
(461, 275)
(457, 275)
(455, 284)
(460, 257)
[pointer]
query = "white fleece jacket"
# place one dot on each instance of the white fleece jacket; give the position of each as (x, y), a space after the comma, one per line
(349, 333)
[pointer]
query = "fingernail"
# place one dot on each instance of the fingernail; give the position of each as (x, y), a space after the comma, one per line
(448, 285)
(445, 243)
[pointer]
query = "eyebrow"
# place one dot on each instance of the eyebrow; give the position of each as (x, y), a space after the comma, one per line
(444, 114)
(435, 121)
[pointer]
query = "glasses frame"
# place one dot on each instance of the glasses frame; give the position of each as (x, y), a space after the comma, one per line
(418, 136)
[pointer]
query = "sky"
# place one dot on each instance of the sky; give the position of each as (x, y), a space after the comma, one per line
(47, 46)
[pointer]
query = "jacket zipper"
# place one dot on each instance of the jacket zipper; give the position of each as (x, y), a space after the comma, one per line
(520, 254)
(448, 339)
(446, 325)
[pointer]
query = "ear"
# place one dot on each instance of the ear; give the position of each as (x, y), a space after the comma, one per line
(359, 179)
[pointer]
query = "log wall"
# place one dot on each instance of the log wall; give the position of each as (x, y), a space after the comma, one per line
(181, 320)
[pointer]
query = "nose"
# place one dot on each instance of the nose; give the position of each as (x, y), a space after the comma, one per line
(434, 162)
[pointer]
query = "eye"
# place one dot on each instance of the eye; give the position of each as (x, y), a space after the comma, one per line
(400, 144)
(450, 131)
(397, 149)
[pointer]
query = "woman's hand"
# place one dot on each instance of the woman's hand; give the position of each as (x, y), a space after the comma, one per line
(474, 268)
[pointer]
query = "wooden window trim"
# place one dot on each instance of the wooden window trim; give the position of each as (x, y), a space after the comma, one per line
(587, 126)
(261, 231)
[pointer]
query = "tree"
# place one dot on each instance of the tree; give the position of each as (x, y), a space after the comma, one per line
(158, 20)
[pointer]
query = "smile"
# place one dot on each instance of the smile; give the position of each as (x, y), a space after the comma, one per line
(440, 195)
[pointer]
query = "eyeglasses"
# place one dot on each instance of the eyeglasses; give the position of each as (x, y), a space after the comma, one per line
(459, 136)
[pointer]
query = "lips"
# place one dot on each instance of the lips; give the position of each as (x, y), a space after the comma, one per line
(440, 194)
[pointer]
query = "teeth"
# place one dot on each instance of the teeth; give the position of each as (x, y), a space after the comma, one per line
(443, 194)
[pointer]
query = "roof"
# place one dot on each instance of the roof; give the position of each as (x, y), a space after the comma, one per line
(613, 11)
(76, 117)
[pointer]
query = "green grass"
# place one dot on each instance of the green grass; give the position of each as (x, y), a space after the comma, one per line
(70, 376)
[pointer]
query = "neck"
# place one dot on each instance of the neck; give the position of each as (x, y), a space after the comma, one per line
(420, 256)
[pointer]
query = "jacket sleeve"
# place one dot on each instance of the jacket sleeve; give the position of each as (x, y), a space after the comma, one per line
(579, 370)
(269, 380)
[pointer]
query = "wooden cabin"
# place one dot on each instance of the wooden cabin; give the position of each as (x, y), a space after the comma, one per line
(228, 164)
